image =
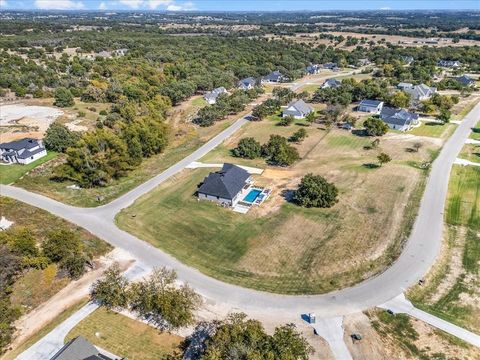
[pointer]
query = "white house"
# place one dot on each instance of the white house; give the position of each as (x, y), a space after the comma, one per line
(274, 77)
(22, 151)
(211, 97)
(331, 83)
(370, 106)
(298, 109)
(226, 186)
(449, 63)
(398, 119)
(417, 92)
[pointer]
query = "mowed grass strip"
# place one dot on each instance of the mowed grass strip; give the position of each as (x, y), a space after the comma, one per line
(432, 129)
(125, 337)
(463, 206)
(11, 173)
(476, 132)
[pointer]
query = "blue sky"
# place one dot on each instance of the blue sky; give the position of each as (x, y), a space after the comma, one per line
(238, 5)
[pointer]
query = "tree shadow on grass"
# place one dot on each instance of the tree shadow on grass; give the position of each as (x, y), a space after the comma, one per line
(371, 166)
(288, 195)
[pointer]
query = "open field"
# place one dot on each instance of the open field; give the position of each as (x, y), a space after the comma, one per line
(433, 129)
(470, 152)
(11, 355)
(125, 337)
(460, 110)
(11, 173)
(451, 290)
(185, 138)
(361, 234)
(476, 132)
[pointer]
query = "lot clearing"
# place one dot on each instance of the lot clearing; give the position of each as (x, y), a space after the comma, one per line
(280, 247)
(451, 289)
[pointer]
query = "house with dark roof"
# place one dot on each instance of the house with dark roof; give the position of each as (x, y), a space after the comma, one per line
(465, 80)
(299, 109)
(370, 106)
(330, 66)
(247, 83)
(226, 186)
(211, 97)
(274, 77)
(313, 69)
(80, 348)
(449, 63)
(22, 151)
(398, 119)
(331, 83)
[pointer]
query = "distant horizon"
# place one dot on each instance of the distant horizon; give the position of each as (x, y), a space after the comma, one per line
(244, 6)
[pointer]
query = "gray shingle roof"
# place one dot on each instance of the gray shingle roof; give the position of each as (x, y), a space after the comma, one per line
(465, 80)
(225, 183)
(273, 76)
(79, 349)
(372, 103)
(16, 145)
(333, 82)
(397, 116)
(300, 106)
(247, 81)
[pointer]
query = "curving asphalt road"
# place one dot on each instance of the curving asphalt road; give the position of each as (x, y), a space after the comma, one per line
(419, 253)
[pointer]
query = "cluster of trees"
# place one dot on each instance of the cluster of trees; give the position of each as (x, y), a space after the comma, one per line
(267, 108)
(156, 298)
(20, 251)
(238, 337)
(315, 191)
(277, 151)
(440, 104)
(226, 105)
(374, 126)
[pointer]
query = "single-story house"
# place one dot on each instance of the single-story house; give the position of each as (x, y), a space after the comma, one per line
(363, 62)
(247, 83)
(80, 348)
(274, 77)
(226, 186)
(313, 69)
(211, 97)
(22, 151)
(449, 63)
(298, 109)
(104, 54)
(418, 92)
(330, 66)
(331, 83)
(465, 80)
(398, 119)
(120, 52)
(370, 106)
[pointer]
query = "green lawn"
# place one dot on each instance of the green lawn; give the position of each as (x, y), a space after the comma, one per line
(310, 88)
(432, 129)
(200, 102)
(11, 173)
(476, 132)
(126, 337)
(460, 112)
(471, 152)
(463, 225)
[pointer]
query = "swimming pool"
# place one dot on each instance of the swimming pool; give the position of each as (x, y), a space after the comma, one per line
(252, 195)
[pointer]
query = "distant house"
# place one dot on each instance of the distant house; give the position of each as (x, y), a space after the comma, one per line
(22, 151)
(119, 52)
(417, 92)
(298, 109)
(226, 186)
(465, 80)
(398, 119)
(104, 54)
(363, 62)
(274, 77)
(370, 106)
(313, 69)
(211, 97)
(408, 59)
(247, 83)
(330, 66)
(331, 83)
(449, 63)
(81, 349)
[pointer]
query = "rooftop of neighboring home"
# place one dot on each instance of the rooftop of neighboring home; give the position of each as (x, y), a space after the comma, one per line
(215, 92)
(81, 349)
(273, 76)
(417, 91)
(332, 83)
(465, 80)
(330, 65)
(397, 116)
(226, 183)
(25, 143)
(370, 103)
(300, 106)
(249, 81)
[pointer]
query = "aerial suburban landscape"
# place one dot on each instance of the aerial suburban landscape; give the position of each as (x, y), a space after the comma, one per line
(239, 180)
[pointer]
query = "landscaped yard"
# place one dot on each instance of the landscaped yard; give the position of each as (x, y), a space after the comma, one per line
(126, 337)
(451, 290)
(471, 152)
(11, 173)
(280, 247)
(433, 129)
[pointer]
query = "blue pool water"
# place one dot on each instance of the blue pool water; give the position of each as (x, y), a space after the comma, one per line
(252, 195)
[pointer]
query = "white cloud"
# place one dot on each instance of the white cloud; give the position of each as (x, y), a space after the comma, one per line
(59, 4)
(386, 8)
(134, 4)
(3, 4)
(102, 6)
(153, 4)
(181, 7)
